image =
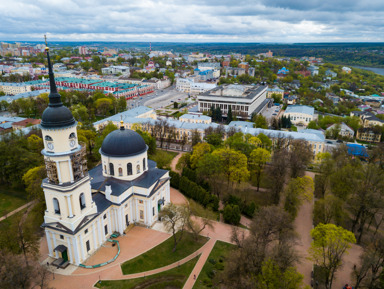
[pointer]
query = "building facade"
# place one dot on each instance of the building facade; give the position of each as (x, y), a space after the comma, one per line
(85, 208)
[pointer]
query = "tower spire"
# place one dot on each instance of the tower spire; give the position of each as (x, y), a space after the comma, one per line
(54, 96)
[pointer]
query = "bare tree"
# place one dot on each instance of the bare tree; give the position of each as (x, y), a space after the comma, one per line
(277, 172)
(175, 219)
(300, 155)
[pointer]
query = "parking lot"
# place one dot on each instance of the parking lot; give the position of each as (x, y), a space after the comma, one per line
(165, 97)
(270, 112)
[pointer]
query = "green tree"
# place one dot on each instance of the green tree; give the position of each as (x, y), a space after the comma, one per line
(198, 152)
(258, 159)
(232, 214)
(209, 168)
(229, 115)
(297, 191)
(260, 121)
(330, 243)
(32, 180)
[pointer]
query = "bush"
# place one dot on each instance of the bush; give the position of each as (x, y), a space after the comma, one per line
(212, 261)
(175, 179)
(219, 266)
(232, 214)
(207, 282)
(246, 209)
(197, 193)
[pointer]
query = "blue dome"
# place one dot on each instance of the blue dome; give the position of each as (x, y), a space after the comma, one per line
(123, 143)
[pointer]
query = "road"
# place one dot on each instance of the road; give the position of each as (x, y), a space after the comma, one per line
(159, 98)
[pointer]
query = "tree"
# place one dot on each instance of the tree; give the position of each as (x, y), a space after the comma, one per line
(297, 191)
(103, 105)
(196, 137)
(276, 173)
(199, 150)
(260, 121)
(330, 243)
(210, 169)
(80, 113)
(229, 115)
(258, 159)
(300, 155)
(271, 237)
(175, 219)
(32, 180)
(265, 141)
(234, 165)
(329, 210)
(232, 214)
(196, 226)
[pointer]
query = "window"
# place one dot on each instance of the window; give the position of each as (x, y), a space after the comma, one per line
(56, 206)
(61, 237)
(82, 201)
(153, 211)
(105, 169)
(106, 229)
(143, 164)
(72, 135)
(105, 216)
(86, 231)
(138, 169)
(88, 246)
(111, 169)
(129, 169)
(120, 172)
(48, 138)
(140, 201)
(141, 214)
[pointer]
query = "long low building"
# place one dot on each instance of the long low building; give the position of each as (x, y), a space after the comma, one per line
(144, 118)
(244, 100)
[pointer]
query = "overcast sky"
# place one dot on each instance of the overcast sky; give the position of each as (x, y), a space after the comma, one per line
(284, 21)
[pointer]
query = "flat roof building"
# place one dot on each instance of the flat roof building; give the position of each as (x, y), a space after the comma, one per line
(243, 99)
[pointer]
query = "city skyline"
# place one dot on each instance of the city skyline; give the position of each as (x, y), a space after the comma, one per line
(194, 21)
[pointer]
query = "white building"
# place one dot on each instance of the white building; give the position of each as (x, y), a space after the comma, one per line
(195, 118)
(300, 114)
(346, 69)
(85, 208)
(343, 130)
(14, 88)
(188, 85)
(243, 99)
(116, 69)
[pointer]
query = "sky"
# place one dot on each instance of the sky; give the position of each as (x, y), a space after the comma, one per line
(276, 21)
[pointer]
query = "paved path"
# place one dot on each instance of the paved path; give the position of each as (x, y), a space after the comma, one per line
(174, 163)
(199, 265)
(16, 211)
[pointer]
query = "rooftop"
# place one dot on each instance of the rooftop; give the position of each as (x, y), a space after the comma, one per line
(300, 109)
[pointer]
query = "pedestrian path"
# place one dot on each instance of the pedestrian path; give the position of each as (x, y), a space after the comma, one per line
(199, 265)
(16, 211)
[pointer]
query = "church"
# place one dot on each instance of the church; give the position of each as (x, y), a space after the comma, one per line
(85, 207)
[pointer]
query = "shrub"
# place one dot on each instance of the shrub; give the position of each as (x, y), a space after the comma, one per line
(232, 214)
(219, 266)
(175, 179)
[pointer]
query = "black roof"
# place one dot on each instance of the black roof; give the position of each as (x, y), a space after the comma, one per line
(123, 143)
(146, 180)
(56, 115)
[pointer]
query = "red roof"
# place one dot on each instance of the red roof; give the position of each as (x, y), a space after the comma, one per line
(26, 122)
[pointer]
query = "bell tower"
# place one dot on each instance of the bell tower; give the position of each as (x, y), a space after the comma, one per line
(67, 188)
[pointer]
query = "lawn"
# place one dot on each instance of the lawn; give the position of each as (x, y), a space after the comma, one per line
(171, 279)
(163, 158)
(162, 254)
(200, 211)
(11, 199)
(215, 263)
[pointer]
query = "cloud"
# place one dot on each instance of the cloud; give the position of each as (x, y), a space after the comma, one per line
(194, 20)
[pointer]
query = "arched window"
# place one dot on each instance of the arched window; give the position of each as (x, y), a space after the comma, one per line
(105, 169)
(56, 206)
(143, 164)
(138, 169)
(72, 135)
(82, 201)
(111, 169)
(129, 169)
(120, 172)
(48, 138)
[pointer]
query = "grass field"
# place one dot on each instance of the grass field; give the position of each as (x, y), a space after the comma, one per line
(215, 263)
(171, 279)
(200, 211)
(163, 158)
(162, 254)
(11, 199)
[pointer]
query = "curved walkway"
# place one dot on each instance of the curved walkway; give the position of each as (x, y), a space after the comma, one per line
(16, 211)
(175, 161)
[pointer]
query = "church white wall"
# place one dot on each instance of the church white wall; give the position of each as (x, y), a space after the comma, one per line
(61, 141)
(136, 161)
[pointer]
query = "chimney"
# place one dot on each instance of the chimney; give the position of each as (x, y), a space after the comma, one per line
(108, 192)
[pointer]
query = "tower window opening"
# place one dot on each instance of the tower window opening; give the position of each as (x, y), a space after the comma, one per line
(56, 206)
(120, 172)
(143, 164)
(111, 169)
(82, 201)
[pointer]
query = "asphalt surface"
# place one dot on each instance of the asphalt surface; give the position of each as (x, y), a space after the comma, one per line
(163, 98)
